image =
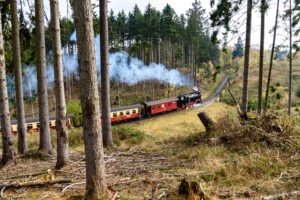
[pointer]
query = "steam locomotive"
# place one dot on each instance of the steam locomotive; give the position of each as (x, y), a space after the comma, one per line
(148, 109)
(127, 113)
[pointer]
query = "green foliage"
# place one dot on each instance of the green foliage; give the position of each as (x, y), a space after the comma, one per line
(74, 107)
(278, 95)
(273, 89)
(278, 84)
(67, 28)
(75, 137)
(252, 104)
(218, 67)
(238, 50)
(127, 134)
(222, 15)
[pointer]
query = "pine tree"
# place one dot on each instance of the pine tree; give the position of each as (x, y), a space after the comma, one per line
(96, 185)
(8, 152)
(247, 58)
(121, 28)
(45, 139)
(22, 130)
(105, 81)
(61, 111)
(290, 58)
(238, 50)
(263, 8)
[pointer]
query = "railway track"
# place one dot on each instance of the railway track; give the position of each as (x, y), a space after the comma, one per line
(205, 101)
(34, 122)
(212, 97)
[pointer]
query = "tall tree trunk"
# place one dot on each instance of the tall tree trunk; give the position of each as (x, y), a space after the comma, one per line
(61, 111)
(45, 137)
(271, 59)
(291, 62)
(247, 57)
(105, 81)
(22, 132)
(8, 152)
(96, 185)
(261, 55)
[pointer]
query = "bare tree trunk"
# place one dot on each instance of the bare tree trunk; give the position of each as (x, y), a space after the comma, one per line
(272, 57)
(261, 55)
(22, 132)
(105, 81)
(61, 111)
(96, 185)
(291, 62)
(8, 152)
(247, 57)
(45, 138)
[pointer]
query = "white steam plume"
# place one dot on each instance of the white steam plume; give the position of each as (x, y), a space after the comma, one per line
(123, 68)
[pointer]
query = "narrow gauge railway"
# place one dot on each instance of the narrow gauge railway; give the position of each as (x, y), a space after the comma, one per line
(143, 110)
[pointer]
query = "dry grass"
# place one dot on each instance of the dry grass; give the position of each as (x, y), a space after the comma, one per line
(178, 124)
(154, 166)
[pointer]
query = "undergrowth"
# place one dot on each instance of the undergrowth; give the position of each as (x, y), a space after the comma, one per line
(270, 130)
(127, 134)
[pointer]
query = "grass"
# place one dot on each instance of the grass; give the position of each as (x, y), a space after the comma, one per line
(177, 124)
(250, 171)
(127, 134)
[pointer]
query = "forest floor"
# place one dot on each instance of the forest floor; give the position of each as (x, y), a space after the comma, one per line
(152, 157)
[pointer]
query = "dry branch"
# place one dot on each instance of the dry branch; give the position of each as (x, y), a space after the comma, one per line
(34, 184)
(284, 195)
(69, 186)
(26, 175)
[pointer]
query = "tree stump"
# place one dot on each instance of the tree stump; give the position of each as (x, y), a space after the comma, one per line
(207, 122)
(192, 190)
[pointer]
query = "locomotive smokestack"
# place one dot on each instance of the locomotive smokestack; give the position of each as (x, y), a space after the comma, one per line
(195, 89)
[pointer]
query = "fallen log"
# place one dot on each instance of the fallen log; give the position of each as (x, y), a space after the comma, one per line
(26, 175)
(207, 122)
(34, 184)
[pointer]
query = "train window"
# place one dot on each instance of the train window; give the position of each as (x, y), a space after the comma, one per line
(133, 111)
(38, 125)
(121, 113)
(115, 114)
(29, 126)
(127, 112)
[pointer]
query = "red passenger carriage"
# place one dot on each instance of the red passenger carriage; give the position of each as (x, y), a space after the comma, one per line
(160, 106)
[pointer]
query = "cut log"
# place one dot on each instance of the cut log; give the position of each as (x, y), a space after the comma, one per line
(192, 190)
(207, 122)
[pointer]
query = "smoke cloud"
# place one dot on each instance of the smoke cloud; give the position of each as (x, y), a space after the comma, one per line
(123, 68)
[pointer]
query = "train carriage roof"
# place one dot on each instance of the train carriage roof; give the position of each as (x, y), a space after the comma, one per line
(152, 103)
(36, 119)
(121, 108)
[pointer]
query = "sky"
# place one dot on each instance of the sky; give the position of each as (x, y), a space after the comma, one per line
(181, 6)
